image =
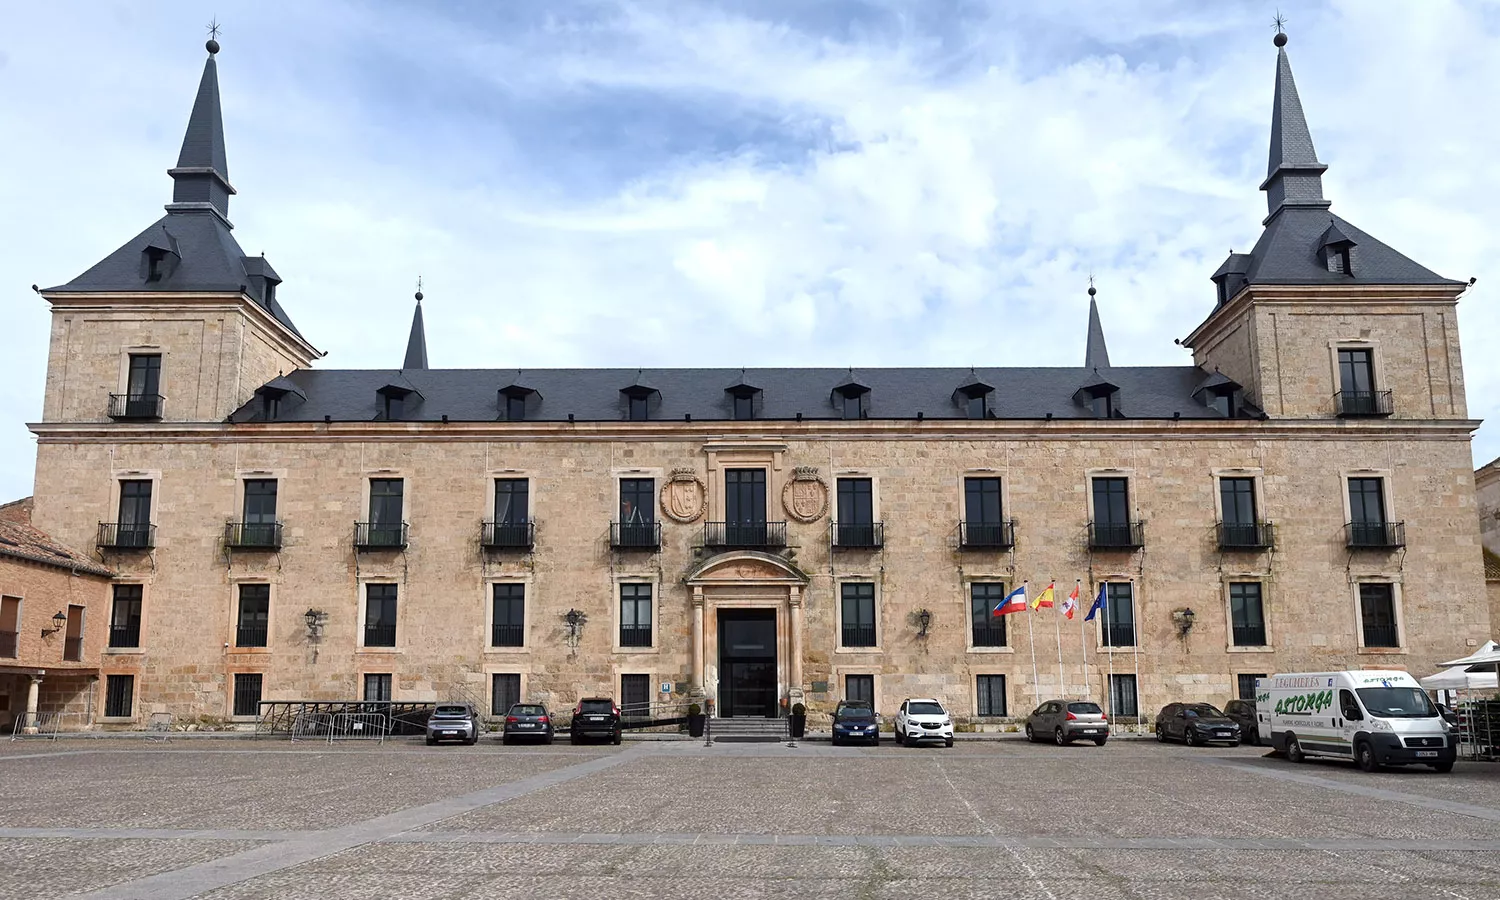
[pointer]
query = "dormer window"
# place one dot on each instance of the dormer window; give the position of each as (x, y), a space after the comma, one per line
(849, 397)
(1339, 261)
(1337, 250)
(638, 401)
(742, 396)
(270, 405)
(1103, 405)
(270, 292)
(1223, 285)
(393, 400)
(514, 399)
(973, 396)
(394, 406)
(1221, 394)
(1099, 396)
(156, 263)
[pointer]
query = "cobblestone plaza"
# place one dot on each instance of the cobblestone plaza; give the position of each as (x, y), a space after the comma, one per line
(238, 819)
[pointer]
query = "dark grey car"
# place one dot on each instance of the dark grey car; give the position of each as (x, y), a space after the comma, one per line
(1066, 721)
(1195, 724)
(529, 721)
(1243, 713)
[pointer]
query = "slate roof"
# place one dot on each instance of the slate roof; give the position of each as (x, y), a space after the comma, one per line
(594, 395)
(19, 540)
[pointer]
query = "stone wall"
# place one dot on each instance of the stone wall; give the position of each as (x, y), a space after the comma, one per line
(1487, 493)
(443, 578)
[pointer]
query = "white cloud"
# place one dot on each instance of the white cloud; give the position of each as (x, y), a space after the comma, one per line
(883, 194)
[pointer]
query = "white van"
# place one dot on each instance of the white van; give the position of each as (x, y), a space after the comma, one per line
(1373, 717)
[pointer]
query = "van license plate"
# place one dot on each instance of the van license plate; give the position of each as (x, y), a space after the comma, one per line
(1423, 754)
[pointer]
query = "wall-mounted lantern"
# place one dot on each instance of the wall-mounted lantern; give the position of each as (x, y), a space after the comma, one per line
(58, 621)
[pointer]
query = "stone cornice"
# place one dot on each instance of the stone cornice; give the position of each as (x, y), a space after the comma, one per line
(1324, 296)
(829, 430)
(131, 306)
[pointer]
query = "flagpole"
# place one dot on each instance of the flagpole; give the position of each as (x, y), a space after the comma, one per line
(1031, 639)
(1062, 682)
(1136, 651)
(1083, 652)
(1109, 686)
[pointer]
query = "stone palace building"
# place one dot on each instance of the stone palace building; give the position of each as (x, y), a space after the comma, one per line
(1300, 497)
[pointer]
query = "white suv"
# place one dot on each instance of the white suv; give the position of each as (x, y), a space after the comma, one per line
(923, 719)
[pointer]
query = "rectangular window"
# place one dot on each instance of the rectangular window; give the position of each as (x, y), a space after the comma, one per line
(1377, 612)
(1246, 685)
(745, 496)
(1122, 697)
(378, 687)
(73, 637)
(515, 407)
(637, 501)
(255, 614)
(1367, 501)
(990, 690)
(1119, 615)
(635, 696)
(987, 629)
(857, 613)
(509, 611)
(1111, 502)
(10, 627)
(1246, 614)
(247, 694)
(512, 501)
(639, 408)
(1237, 500)
(386, 496)
(635, 615)
(860, 687)
(260, 501)
(856, 513)
(1357, 371)
(119, 696)
(744, 405)
(125, 617)
(135, 514)
(144, 384)
(982, 501)
(380, 615)
(854, 405)
(505, 692)
(978, 404)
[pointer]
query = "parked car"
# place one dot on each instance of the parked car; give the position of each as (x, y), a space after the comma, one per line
(923, 719)
(595, 717)
(1194, 724)
(527, 720)
(855, 720)
(452, 722)
(1243, 714)
(1066, 721)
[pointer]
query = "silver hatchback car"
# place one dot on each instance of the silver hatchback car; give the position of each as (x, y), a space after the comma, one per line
(1066, 721)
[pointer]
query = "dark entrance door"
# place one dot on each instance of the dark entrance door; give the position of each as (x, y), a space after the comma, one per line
(747, 662)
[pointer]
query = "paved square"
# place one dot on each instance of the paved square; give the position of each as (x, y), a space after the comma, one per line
(244, 819)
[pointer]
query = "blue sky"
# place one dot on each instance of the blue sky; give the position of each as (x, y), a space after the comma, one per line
(746, 182)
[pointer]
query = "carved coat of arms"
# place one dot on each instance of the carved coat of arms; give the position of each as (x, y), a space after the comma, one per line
(805, 496)
(682, 496)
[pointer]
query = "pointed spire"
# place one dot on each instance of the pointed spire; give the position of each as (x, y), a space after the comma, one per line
(201, 175)
(1294, 177)
(416, 345)
(1095, 354)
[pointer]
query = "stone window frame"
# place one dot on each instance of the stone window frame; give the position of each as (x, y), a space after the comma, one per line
(362, 608)
(280, 477)
(1133, 507)
(618, 671)
(1377, 361)
(1265, 582)
(833, 494)
(1255, 473)
(642, 576)
(656, 473)
(838, 614)
(487, 603)
(235, 580)
(366, 490)
(123, 475)
(840, 671)
(135, 698)
(983, 472)
(122, 378)
(109, 618)
(974, 673)
(1387, 492)
(1234, 680)
(229, 692)
(521, 668)
(1007, 579)
(1134, 581)
(1397, 609)
(374, 668)
(747, 454)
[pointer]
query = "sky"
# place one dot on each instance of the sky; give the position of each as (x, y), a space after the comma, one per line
(743, 182)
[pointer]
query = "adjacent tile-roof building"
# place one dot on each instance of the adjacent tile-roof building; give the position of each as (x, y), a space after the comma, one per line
(20, 540)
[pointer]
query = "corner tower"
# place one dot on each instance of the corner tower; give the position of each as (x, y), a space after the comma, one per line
(1321, 319)
(179, 324)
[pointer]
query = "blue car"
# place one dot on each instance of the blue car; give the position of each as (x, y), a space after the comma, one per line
(855, 720)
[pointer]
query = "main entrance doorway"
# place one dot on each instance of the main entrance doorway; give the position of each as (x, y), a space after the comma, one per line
(747, 662)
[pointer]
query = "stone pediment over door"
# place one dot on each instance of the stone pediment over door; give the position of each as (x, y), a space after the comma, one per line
(745, 567)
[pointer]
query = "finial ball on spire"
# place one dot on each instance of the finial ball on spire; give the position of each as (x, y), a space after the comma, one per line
(419, 296)
(1092, 290)
(1279, 40)
(212, 46)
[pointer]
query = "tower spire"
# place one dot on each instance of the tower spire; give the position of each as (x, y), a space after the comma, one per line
(201, 176)
(1294, 177)
(416, 344)
(1095, 354)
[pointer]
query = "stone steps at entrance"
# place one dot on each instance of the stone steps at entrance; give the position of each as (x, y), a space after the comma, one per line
(749, 729)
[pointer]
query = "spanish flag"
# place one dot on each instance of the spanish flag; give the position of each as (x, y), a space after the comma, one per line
(1044, 598)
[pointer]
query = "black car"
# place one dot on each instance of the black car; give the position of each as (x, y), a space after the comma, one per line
(529, 721)
(1194, 724)
(595, 717)
(1243, 713)
(855, 720)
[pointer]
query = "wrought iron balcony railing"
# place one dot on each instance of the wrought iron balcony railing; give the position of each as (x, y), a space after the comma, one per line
(1246, 535)
(987, 535)
(635, 635)
(507, 635)
(135, 406)
(125, 637)
(508, 535)
(1117, 535)
(1376, 535)
(1249, 635)
(380, 536)
(1119, 634)
(859, 635)
(1381, 634)
(858, 535)
(250, 636)
(635, 535)
(1355, 404)
(9, 644)
(380, 635)
(253, 535)
(744, 535)
(126, 536)
(989, 635)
